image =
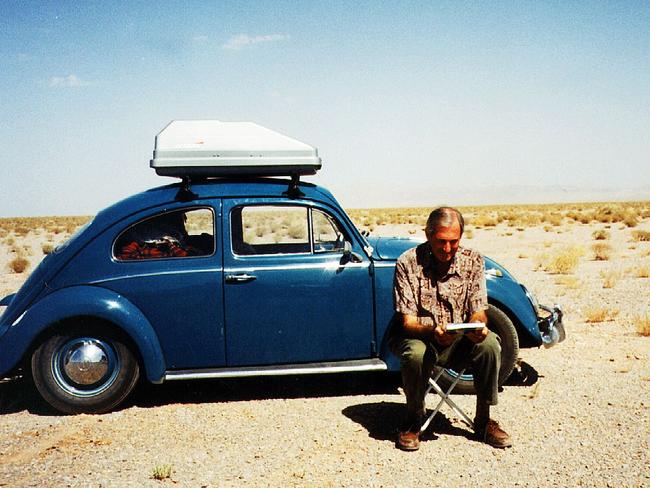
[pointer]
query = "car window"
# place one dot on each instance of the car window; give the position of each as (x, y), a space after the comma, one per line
(270, 229)
(178, 234)
(283, 229)
(326, 233)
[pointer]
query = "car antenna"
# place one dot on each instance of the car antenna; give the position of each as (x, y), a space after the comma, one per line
(185, 194)
(294, 191)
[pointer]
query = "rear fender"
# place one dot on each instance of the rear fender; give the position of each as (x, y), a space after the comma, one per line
(89, 301)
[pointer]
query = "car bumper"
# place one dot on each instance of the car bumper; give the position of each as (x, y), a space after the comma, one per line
(551, 326)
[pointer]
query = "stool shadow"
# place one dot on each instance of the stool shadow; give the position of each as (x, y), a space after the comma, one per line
(382, 421)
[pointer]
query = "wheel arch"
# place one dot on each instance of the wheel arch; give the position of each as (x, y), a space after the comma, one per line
(524, 334)
(74, 305)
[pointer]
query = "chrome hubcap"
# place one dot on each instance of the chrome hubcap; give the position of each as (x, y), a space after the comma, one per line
(85, 366)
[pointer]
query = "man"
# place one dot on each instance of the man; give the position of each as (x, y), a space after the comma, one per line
(437, 283)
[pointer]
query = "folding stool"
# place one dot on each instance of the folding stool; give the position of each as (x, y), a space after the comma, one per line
(444, 398)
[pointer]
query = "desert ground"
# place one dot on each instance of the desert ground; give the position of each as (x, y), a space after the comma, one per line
(579, 413)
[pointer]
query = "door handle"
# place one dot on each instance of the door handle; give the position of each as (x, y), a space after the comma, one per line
(239, 278)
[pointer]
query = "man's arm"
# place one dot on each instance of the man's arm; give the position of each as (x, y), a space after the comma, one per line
(413, 328)
(478, 335)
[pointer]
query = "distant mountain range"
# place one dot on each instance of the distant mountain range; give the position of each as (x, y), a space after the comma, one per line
(497, 195)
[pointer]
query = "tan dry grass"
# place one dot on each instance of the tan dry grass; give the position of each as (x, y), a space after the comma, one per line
(600, 314)
(642, 324)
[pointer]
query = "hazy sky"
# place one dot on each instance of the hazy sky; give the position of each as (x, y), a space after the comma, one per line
(401, 98)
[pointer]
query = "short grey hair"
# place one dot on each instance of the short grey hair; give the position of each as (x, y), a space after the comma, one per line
(444, 217)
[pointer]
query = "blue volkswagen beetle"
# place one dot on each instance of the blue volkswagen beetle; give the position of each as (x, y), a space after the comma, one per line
(231, 272)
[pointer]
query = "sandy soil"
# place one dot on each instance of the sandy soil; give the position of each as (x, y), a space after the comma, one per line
(579, 413)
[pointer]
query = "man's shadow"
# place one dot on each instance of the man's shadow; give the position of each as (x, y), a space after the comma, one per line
(382, 420)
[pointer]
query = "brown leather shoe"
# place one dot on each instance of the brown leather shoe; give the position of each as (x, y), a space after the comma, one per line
(492, 434)
(408, 440)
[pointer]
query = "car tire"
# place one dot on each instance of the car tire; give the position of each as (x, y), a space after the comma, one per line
(84, 370)
(499, 323)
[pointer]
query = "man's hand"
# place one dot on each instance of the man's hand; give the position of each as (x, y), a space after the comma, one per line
(442, 337)
(477, 336)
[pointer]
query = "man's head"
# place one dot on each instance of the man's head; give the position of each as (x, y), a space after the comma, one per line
(444, 229)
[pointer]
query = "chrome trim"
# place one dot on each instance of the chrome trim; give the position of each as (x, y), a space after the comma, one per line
(85, 367)
(383, 264)
(374, 364)
(154, 273)
(285, 267)
(551, 327)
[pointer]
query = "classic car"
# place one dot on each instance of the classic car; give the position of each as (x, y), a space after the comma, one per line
(240, 269)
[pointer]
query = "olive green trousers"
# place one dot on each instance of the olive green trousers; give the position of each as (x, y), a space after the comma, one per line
(418, 358)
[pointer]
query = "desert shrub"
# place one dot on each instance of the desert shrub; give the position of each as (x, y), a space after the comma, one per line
(631, 220)
(555, 219)
(602, 251)
(600, 235)
(18, 264)
(568, 282)
(47, 247)
(161, 472)
(640, 235)
(642, 324)
(468, 233)
(610, 278)
(565, 260)
(642, 272)
(600, 314)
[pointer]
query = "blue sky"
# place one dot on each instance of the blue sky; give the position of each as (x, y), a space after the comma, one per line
(405, 101)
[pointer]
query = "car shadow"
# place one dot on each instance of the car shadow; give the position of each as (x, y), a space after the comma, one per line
(19, 395)
(523, 374)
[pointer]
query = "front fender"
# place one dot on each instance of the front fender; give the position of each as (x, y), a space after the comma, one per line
(509, 296)
(90, 301)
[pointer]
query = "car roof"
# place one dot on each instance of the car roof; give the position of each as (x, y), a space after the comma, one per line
(207, 189)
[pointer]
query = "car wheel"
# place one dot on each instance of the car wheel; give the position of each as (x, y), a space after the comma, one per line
(501, 324)
(86, 370)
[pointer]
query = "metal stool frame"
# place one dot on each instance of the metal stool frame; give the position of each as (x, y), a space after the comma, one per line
(444, 398)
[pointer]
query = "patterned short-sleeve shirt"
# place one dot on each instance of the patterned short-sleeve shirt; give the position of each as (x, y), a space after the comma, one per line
(439, 298)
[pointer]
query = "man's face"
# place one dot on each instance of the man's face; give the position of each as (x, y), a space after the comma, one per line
(444, 242)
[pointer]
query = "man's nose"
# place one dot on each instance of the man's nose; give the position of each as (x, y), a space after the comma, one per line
(446, 247)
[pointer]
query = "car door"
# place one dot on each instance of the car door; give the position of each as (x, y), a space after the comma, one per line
(167, 263)
(291, 294)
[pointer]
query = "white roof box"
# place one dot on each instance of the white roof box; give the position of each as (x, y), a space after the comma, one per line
(213, 148)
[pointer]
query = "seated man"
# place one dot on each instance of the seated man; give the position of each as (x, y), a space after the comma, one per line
(438, 283)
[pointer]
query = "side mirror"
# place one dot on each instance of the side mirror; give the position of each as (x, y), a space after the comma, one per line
(349, 255)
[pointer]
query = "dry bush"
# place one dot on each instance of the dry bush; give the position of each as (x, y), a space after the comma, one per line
(600, 235)
(642, 272)
(602, 251)
(47, 247)
(468, 233)
(600, 314)
(568, 282)
(640, 236)
(18, 264)
(554, 219)
(564, 261)
(610, 277)
(642, 324)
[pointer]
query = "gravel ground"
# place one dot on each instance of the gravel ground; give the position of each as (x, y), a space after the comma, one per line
(579, 413)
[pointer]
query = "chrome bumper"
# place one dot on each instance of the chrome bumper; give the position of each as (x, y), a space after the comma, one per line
(551, 326)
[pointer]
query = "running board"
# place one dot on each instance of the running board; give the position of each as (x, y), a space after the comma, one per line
(278, 370)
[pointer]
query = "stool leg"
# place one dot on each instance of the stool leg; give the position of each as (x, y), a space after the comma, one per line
(444, 398)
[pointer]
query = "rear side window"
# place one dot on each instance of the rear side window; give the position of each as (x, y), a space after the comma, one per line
(178, 234)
